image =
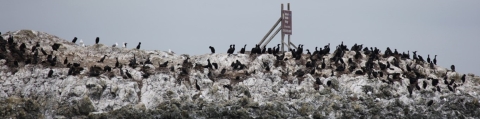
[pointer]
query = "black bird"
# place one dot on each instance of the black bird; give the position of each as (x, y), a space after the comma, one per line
(313, 71)
(463, 78)
(76, 64)
(22, 47)
(438, 89)
(34, 48)
(228, 86)
(329, 83)
(103, 58)
(215, 65)
(97, 40)
(453, 68)
(451, 81)
(242, 51)
(43, 51)
(233, 49)
(429, 103)
(410, 90)
(10, 40)
(196, 85)
(424, 84)
(65, 61)
(450, 88)
(50, 73)
(212, 49)
(164, 64)
(128, 74)
(428, 58)
(435, 60)
(138, 46)
(74, 40)
(318, 82)
(148, 61)
(55, 46)
(229, 50)
(117, 64)
(107, 68)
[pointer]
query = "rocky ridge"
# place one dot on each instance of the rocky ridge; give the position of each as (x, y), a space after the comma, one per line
(189, 87)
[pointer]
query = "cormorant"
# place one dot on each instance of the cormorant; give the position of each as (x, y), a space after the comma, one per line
(453, 68)
(428, 58)
(65, 61)
(242, 51)
(117, 64)
(124, 45)
(138, 46)
(196, 85)
(43, 51)
(97, 40)
(318, 82)
(164, 64)
(229, 50)
(450, 88)
(435, 60)
(212, 49)
(128, 74)
(463, 78)
(50, 73)
(215, 65)
(107, 68)
(103, 58)
(74, 40)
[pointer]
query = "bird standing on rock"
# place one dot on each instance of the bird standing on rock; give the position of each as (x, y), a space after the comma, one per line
(138, 46)
(50, 73)
(212, 49)
(74, 40)
(97, 40)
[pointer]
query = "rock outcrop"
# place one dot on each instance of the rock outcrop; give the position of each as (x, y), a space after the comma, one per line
(188, 87)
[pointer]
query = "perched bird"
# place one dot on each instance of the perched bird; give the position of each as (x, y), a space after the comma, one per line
(128, 74)
(117, 64)
(65, 61)
(138, 46)
(97, 40)
(124, 45)
(212, 49)
(50, 73)
(103, 58)
(453, 68)
(74, 40)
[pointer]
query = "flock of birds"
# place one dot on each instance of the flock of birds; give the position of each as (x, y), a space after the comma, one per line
(315, 62)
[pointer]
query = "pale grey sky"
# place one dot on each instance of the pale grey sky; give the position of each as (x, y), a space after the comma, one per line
(449, 29)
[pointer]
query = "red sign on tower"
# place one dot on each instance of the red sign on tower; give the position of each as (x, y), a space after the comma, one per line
(287, 22)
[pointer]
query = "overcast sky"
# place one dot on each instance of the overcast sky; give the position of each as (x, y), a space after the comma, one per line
(449, 29)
